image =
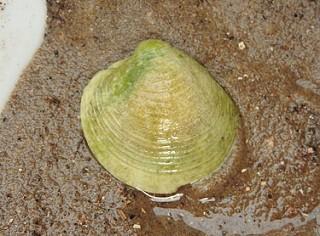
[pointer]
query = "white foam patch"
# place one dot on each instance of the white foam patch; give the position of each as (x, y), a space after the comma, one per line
(22, 28)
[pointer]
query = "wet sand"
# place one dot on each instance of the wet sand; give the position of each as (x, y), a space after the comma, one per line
(51, 184)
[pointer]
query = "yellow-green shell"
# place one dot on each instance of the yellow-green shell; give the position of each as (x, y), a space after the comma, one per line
(157, 120)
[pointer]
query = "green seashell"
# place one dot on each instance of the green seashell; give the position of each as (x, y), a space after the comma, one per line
(157, 120)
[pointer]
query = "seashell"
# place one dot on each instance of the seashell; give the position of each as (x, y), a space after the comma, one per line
(157, 120)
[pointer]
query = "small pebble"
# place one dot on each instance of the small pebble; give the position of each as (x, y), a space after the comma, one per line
(318, 219)
(248, 189)
(282, 163)
(137, 226)
(10, 221)
(263, 183)
(241, 45)
(20, 170)
(310, 150)
(122, 215)
(205, 200)
(240, 78)
(270, 142)
(243, 170)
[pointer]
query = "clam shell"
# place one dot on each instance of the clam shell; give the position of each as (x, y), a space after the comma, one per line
(157, 120)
